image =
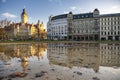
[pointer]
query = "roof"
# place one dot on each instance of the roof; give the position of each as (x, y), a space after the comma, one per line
(75, 16)
(59, 16)
(81, 16)
(110, 15)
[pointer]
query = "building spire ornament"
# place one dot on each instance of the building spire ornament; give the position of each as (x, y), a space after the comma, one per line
(38, 21)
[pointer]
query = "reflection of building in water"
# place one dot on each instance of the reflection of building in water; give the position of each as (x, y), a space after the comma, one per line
(22, 51)
(85, 54)
(38, 50)
(82, 55)
(110, 54)
(57, 53)
(34, 49)
(41, 50)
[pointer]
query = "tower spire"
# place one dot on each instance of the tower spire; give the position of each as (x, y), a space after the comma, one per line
(38, 21)
(24, 17)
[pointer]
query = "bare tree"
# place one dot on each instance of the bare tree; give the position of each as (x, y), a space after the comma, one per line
(4, 23)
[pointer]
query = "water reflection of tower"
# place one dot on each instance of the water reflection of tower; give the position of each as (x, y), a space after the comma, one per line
(110, 54)
(24, 63)
(38, 50)
(22, 51)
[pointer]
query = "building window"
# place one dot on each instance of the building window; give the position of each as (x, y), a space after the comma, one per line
(74, 31)
(101, 33)
(118, 32)
(105, 28)
(115, 33)
(115, 28)
(105, 33)
(118, 27)
(111, 33)
(114, 22)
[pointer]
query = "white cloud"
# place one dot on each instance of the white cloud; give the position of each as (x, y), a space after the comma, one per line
(115, 7)
(50, 0)
(73, 7)
(4, 1)
(112, 9)
(66, 12)
(30, 19)
(8, 15)
(55, 0)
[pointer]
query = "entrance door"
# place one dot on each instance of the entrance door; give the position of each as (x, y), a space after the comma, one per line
(116, 37)
(110, 38)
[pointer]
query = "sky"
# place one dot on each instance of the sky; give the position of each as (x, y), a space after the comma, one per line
(42, 9)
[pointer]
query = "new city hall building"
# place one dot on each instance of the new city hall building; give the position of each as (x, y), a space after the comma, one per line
(24, 30)
(84, 26)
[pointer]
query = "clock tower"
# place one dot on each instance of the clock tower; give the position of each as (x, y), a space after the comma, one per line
(24, 17)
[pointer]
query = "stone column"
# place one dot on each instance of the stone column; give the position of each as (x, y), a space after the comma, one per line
(106, 37)
(113, 38)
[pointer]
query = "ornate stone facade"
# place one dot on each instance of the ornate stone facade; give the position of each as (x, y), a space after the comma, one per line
(24, 30)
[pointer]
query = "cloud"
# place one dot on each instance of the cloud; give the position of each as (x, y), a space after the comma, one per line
(30, 19)
(73, 7)
(8, 15)
(66, 12)
(112, 9)
(50, 0)
(56, 1)
(3, 1)
(115, 7)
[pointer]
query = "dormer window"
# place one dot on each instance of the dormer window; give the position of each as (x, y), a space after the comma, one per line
(86, 16)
